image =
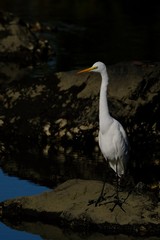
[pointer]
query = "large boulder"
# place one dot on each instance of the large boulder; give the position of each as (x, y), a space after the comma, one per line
(64, 106)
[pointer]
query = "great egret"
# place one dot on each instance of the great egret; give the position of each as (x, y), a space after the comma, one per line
(113, 140)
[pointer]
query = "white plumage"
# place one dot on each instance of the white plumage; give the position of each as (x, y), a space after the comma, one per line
(112, 137)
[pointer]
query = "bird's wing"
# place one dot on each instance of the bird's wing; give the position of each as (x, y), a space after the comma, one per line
(126, 146)
(124, 135)
(121, 146)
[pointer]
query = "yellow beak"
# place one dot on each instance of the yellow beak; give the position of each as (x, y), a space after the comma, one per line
(87, 70)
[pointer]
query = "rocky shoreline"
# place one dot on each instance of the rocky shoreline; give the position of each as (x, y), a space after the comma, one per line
(67, 206)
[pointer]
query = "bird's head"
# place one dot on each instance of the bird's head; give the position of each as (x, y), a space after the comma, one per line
(97, 67)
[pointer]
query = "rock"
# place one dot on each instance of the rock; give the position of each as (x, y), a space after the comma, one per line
(67, 205)
(62, 110)
(19, 44)
(68, 104)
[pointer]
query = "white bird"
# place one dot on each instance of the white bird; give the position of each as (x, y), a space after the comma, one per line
(113, 140)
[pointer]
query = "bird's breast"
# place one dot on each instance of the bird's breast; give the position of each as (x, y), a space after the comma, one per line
(106, 145)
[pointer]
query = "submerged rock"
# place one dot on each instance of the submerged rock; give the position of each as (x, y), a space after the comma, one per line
(67, 205)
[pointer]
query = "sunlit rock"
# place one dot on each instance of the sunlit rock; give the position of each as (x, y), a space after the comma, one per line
(18, 43)
(68, 205)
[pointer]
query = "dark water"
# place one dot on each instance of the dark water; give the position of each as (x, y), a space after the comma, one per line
(11, 187)
(87, 31)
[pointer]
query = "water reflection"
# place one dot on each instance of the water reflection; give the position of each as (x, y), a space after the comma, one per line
(56, 167)
(38, 230)
(8, 233)
(50, 165)
(12, 186)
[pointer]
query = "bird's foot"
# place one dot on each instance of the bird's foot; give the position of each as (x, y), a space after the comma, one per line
(118, 202)
(97, 201)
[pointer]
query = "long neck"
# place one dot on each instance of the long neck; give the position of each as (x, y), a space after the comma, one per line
(104, 116)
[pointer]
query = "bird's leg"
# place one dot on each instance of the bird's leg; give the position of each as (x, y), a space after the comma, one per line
(117, 186)
(100, 198)
(117, 201)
